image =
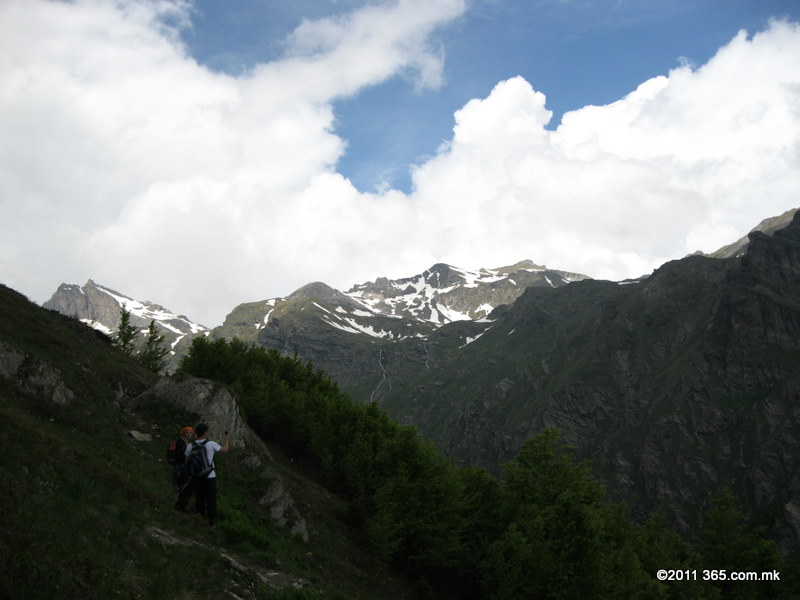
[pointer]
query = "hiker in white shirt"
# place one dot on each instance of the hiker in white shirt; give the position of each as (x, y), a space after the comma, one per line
(204, 476)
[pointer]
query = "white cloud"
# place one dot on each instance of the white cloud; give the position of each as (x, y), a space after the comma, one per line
(339, 56)
(688, 161)
(123, 160)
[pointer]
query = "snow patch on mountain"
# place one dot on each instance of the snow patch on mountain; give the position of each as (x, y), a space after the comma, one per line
(97, 325)
(440, 295)
(471, 339)
(99, 307)
(453, 315)
(151, 312)
(353, 326)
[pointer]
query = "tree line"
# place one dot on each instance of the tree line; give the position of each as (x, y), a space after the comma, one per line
(153, 352)
(544, 530)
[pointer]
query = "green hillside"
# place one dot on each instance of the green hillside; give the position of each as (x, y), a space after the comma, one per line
(673, 387)
(88, 513)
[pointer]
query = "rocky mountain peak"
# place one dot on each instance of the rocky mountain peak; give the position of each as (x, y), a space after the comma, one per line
(318, 290)
(523, 264)
(774, 260)
(441, 275)
(767, 226)
(99, 307)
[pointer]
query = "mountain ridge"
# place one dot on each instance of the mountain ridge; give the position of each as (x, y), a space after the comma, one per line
(99, 307)
(695, 361)
(684, 380)
(368, 509)
(344, 333)
(769, 226)
(88, 512)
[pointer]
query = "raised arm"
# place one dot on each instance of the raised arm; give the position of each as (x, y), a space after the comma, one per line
(226, 443)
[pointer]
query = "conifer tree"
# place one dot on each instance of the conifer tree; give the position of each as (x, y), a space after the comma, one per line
(126, 332)
(729, 545)
(153, 353)
(563, 540)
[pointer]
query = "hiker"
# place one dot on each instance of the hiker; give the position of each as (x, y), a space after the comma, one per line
(200, 461)
(176, 452)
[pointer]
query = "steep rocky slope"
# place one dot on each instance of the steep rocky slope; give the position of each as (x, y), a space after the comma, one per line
(769, 226)
(675, 386)
(351, 334)
(318, 317)
(86, 510)
(99, 307)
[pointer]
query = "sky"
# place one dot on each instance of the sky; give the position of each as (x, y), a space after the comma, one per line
(202, 154)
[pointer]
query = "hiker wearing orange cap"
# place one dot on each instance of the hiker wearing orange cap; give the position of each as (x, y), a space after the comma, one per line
(180, 479)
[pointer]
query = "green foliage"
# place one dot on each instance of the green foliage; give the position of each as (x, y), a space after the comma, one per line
(562, 540)
(83, 503)
(401, 490)
(662, 548)
(76, 512)
(126, 332)
(727, 543)
(544, 531)
(154, 351)
(543, 473)
(416, 518)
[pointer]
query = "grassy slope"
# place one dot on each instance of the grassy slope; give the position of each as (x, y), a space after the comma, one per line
(83, 502)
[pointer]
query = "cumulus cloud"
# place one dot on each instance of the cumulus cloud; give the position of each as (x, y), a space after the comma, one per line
(688, 161)
(124, 160)
(345, 53)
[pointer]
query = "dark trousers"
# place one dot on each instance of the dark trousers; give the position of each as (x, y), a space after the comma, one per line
(205, 498)
(181, 481)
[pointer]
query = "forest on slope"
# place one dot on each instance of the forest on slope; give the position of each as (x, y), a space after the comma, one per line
(544, 530)
(87, 513)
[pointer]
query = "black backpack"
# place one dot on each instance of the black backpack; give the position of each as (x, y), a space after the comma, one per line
(198, 465)
(175, 450)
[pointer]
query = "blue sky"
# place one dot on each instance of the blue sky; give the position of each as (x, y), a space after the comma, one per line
(201, 153)
(575, 52)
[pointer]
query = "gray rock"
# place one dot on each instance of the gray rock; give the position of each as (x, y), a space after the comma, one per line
(219, 409)
(281, 506)
(34, 375)
(213, 404)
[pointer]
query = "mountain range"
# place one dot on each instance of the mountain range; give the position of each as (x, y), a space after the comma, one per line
(100, 307)
(375, 311)
(674, 385)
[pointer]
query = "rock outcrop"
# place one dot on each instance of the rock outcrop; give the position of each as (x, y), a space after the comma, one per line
(213, 405)
(216, 406)
(33, 375)
(100, 307)
(259, 577)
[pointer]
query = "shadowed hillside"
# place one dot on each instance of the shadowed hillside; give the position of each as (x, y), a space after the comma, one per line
(342, 503)
(87, 507)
